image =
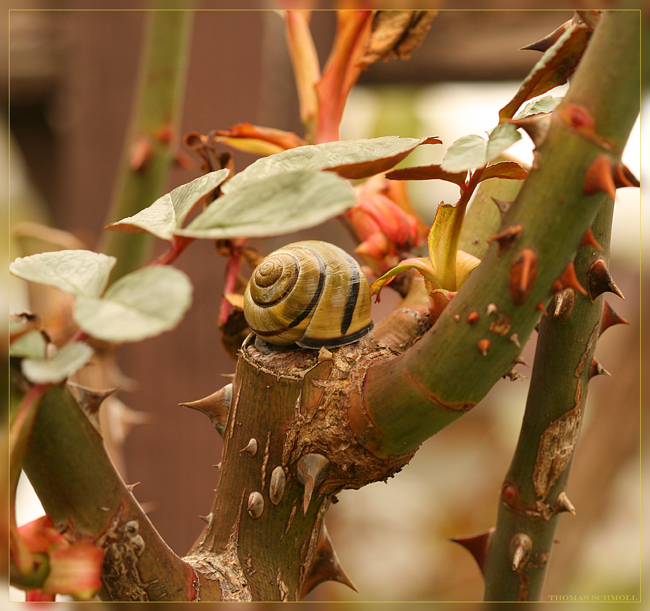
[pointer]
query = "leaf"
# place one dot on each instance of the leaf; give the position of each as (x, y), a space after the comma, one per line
(65, 362)
(553, 69)
(542, 105)
(141, 304)
(473, 151)
(77, 272)
(258, 140)
(420, 264)
(277, 205)
(169, 212)
(32, 344)
(351, 159)
(505, 169)
(428, 172)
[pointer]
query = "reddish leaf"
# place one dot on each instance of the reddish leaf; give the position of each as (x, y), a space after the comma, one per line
(553, 69)
(505, 169)
(428, 172)
(254, 138)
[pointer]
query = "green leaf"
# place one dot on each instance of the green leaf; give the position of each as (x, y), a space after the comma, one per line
(542, 105)
(78, 272)
(65, 362)
(277, 205)
(31, 345)
(169, 212)
(350, 159)
(473, 151)
(139, 305)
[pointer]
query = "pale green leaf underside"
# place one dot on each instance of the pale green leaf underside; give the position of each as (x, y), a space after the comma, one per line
(78, 272)
(473, 151)
(65, 362)
(542, 105)
(169, 212)
(328, 156)
(31, 344)
(142, 304)
(277, 205)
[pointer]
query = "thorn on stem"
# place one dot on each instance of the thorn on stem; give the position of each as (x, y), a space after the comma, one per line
(311, 471)
(610, 318)
(600, 177)
(596, 369)
(600, 281)
(255, 505)
(251, 447)
(523, 274)
(590, 240)
(563, 504)
(477, 545)
(506, 237)
(520, 547)
(564, 302)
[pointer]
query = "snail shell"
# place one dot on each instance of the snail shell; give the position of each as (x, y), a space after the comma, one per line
(310, 293)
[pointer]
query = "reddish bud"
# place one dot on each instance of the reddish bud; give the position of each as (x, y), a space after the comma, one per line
(473, 317)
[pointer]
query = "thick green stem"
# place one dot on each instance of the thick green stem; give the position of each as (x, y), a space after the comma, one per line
(153, 134)
(408, 399)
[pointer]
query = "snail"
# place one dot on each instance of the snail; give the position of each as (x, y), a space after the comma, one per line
(308, 293)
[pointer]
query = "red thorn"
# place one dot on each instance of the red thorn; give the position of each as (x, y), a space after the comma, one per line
(506, 237)
(600, 281)
(165, 134)
(568, 279)
(523, 274)
(610, 318)
(541, 308)
(548, 41)
(600, 177)
(325, 566)
(623, 177)
(596, 369)
(477, 545)
(483, 346)
(590, 240)
(472, 317)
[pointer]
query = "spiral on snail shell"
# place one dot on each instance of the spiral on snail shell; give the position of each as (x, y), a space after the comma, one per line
(309, 293)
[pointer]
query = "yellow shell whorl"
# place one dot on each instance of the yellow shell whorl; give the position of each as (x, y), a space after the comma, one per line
(310, 293)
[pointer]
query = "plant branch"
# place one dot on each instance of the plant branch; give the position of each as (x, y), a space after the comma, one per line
(408, 399)
(153, 133)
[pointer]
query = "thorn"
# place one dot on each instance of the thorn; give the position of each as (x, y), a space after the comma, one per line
(589, 240)
(568, 279)
(506, 237)
(519, 360)
(141, 154)
(325, 566)
(473, 317)
(596, 369)
(311, 471)
(542, 309)
(623, 177)
(215, 407)
(89, 400)
(132, 487)
(536, 126)
(278, 483)
(520, 546)
(600, 281)
(207, 518)
(564, 504)
(477, 545)
(548, 41)
(251, 447)
(610, 318)
(514, 338)
(483, 346)
(502, 205)
(457, 317)
(600, 177)
(564, 302)
(255, 505)
(523, 274)
(491, 309)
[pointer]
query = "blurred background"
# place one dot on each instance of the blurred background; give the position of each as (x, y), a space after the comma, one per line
(72, 79)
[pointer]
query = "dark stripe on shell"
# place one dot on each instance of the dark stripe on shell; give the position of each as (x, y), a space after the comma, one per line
(317, 293)
(335, 341)
(351, 304)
